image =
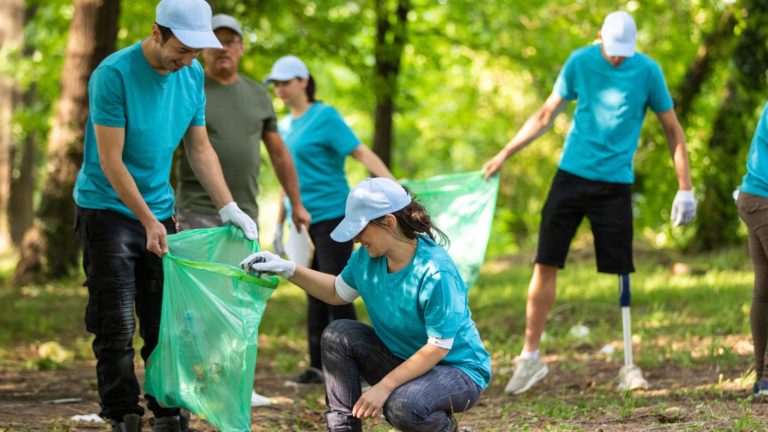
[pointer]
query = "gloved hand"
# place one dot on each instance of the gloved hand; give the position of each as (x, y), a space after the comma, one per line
(683, 207)
(267, 262)
(231, 213)
(277, 243)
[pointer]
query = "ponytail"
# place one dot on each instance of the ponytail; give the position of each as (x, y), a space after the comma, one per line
(311, 89)
(414, 220)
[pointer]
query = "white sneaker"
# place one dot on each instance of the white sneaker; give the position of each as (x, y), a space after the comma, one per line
(631, 378)
(258, 400)
(527, 373)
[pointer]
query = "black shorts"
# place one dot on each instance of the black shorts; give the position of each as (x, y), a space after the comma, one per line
(608, 206)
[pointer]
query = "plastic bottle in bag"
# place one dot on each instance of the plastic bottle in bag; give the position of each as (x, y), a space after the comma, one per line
(192, 346)
(215, 371)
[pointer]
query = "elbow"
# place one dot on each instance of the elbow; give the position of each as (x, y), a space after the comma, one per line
(107, 165)
(358, 156)
(671, 130)
(444, 352)
(545, 117)
(200, 151)
(278, 154)
(438, 352)
(102, 163)
(336, 300)
(362, 154)
(194, 154)
(676, 138)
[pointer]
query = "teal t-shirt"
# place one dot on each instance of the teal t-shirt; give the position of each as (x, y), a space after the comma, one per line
(425, 299)
(610, 109)
(319, 142)
(155, 110)
(756, 179)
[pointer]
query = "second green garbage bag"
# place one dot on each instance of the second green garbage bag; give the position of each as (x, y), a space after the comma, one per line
(462, 206)
(206, 353)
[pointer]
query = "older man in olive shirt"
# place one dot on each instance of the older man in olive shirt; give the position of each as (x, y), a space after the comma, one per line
(239, 113)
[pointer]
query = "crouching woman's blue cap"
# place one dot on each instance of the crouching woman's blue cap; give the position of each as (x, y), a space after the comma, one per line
(370, 199)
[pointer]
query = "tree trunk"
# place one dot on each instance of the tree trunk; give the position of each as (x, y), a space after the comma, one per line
(11, 36)
(49, 248)
(21, 210)
(715, 47)
(390, 41)
(717, 219)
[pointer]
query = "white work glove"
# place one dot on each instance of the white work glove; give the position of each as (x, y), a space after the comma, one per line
(231, 213)
(683, 207)
(277, 243)
(267, 262)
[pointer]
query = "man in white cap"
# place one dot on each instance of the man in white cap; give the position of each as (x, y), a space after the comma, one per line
(143, 100)
(238, 114)
(612, 85)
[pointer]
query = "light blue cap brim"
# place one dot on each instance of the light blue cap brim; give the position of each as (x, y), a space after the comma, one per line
(347, 230)
(197, 39)
(282, 77)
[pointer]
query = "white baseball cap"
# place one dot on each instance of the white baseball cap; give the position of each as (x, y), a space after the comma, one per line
(287, 68)
(190, 22)
(227, 22)
(619, 34)
(370, 199)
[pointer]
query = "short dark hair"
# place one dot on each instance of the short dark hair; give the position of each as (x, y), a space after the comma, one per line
(165, 32)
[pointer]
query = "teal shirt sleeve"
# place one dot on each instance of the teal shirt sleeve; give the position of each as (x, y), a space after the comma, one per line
(659, 99)
(199, 118)
(106, 96)
(343, 138)
(444, 304)
(565, 85)
(348, 274)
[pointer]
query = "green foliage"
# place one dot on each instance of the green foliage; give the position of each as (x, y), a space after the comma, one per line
(36, 68)
(471, 73)
(744, 95)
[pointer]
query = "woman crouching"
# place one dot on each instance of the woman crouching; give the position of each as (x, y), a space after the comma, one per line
(423, 355)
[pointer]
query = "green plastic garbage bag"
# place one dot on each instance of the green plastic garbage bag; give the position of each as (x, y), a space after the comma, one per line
(206, 353)
(462, 206)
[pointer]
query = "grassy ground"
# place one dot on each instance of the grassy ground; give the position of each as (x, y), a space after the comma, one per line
(691, 335)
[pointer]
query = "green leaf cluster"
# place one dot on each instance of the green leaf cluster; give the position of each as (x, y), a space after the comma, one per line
(472, 72)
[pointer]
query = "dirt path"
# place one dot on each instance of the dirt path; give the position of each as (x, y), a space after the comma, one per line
(679, 399)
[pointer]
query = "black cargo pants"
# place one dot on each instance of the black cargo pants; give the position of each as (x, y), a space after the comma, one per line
(121, 275)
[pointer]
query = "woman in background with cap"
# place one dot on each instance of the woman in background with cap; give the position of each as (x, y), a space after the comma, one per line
(319, 141)
(423, 355)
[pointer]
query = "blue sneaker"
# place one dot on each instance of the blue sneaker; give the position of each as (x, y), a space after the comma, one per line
(760, 390)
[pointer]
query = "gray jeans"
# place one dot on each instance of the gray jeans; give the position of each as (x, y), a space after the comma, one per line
(351, 349)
